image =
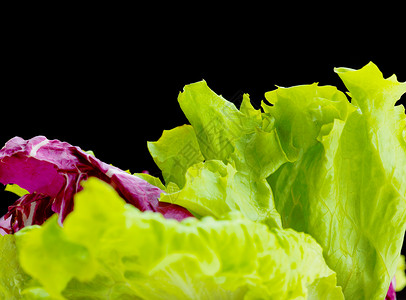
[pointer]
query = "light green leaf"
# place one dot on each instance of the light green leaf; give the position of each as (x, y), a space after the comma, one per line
(300, 112)
(369, 90)
(14, 188)
(348, 187)
(145, 256)
(48, 256)
(258, 154)
(216, 122)
(12, 278)
(400, 276)
(151, 179)
(215, 189)
(253, 114)
(175, 151)
(204, 191)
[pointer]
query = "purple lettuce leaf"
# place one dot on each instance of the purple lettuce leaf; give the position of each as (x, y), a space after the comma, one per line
(30, 209)
(391, 295)
(52, 171)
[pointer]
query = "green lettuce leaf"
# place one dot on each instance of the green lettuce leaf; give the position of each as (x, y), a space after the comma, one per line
(347, 186)
(12, 278)
(230, 164)
(331, 168)
(129, 254)
(14, 188)
(216, 121)
(175, 152)
(303, 113)
(151, 179)
(252, 151)
(400, 276)
(215, 189)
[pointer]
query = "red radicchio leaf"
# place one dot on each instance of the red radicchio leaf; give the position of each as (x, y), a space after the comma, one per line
(391, 295)
(30, 209)
(52, 171)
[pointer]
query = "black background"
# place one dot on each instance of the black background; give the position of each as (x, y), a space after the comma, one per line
(109, 82)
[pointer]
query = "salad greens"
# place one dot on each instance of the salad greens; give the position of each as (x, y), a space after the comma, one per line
(128, 254)
(304, 198)
(336, 170)
(348, 188)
